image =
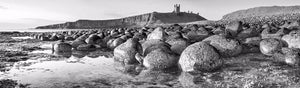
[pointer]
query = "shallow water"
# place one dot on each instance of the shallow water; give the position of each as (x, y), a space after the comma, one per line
(41, 73)
(24, 37)
(38, 30)
(77, 67)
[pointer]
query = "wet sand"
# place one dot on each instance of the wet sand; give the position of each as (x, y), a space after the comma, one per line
(31, 63)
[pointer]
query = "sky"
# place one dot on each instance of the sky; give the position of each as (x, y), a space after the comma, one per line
(19, 14)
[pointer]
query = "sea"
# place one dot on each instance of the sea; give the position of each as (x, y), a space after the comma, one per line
(38, 30)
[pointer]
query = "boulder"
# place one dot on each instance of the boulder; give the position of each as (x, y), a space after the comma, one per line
(234, 28)
(82, 37)
(86, 47)
(92, 39)
(252, 41)
(53, 38)
(226, 47)
(292, 39)
(69, 38)
(174, 35)
(62, 47)
(158, 33)
(125, 37)
(197, 35)
(149, 43)
(270, 46)
(294, 25)
(291, 56)
(126, 51)
(164, 46)
(219, 31)
(75, 36)
(109, 42)
(140, 36)
(200, 56)
(44, 38)
(178, 45)
(160, 59)
(60, 37)
(76, 43)
(247, 33)
(271, 33)
(116, 43)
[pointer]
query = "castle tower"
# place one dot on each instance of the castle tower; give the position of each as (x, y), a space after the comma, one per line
(177, 8)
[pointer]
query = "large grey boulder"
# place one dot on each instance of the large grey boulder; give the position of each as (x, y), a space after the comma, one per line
(126, 51)
(152, 42)
(178, 45)
(292, 39)
(247, 33)
(160, 59)
(92, 39)
(200, 56)
(234, 28)
(158, 33)
(62, 47)
(271, 33)
(270, 46)
(226, 47)
(116, 42)
(76, 43)
(291, 56)
(197, 35)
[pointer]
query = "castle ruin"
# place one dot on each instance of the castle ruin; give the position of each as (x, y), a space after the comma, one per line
(177, 8)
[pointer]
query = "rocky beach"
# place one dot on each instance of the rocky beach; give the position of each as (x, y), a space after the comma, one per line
(158, 50)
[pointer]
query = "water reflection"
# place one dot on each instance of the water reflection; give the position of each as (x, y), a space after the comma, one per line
(23, 37)
(79, 67)
(159, 76)
(63, 54)
(49, 73)
(79, 54)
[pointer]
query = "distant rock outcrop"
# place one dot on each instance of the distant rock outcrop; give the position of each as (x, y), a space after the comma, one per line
(265, 13)
(149, 19)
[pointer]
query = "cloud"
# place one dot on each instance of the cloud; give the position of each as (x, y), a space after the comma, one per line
(3, 7)
(28, 23)
(17, 13)
(40, 20)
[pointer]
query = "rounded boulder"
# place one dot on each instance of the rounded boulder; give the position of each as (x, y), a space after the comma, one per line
(62, 47)
(158, 33)
(226, 47)
(160, 59)
(292, 39)
(126, 51)
(270, 46)
(199, 56)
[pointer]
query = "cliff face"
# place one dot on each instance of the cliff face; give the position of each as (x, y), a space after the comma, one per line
(148, 19)
(265, 13)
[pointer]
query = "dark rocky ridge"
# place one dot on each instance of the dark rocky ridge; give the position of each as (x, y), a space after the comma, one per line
(261, 14)
(149, 19)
